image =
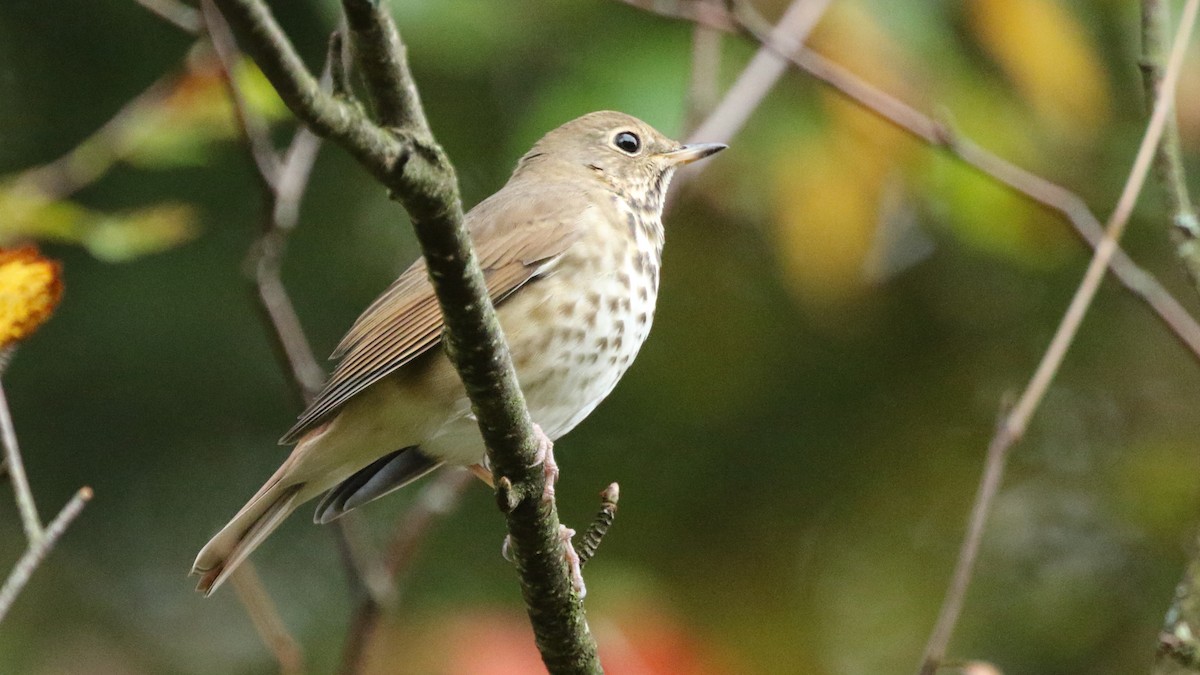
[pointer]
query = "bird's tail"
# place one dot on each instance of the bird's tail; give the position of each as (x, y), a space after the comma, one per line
(257, 519)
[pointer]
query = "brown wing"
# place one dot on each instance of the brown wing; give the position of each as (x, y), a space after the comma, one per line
(516, 233)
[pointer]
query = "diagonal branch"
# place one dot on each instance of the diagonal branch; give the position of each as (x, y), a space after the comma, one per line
(247, 583)
(30, 519)
(415, 169)
(761, 74)
(1013, 426)
(1107, 253)
(383, 61)
(40, 540)
(906, 118)
(39, 548)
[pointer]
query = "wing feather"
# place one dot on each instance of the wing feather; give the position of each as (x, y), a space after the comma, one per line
(517, 232)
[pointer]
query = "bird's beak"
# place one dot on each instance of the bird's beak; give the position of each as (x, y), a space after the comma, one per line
(692, 152)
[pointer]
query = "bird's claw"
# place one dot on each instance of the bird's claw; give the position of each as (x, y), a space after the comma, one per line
(574, 564)
(545, 457)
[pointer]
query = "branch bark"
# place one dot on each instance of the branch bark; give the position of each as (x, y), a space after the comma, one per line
(403, 155)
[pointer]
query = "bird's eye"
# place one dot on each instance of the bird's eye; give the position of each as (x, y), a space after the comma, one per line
(628, 142)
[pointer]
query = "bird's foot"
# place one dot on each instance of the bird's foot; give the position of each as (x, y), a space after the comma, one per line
(574, 564)
(545, 457)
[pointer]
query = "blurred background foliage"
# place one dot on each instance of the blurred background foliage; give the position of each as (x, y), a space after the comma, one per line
(842, 312)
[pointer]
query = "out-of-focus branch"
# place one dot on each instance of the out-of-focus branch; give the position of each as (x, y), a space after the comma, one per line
(26, 505)
(265, 259)
(183, 17)
(703, 92)
(761, 74)
(85, 163)
(40, 547)
(408, 161)
(1012, 426)
(267, 623)
(40, 539)
(1169, 163)
(1051, 195)
(437, 498)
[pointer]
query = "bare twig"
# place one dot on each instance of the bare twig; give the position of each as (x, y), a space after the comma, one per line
(1055, 197)
(404, 156)
(185, 18)
(703, 93)
(590, 541)
(1032, 186)
(1013, 426)
(1021, 181)
(283, 183)
(40, 547)
(16, 473)
(761, 74)
(91, 158)
(267, 623)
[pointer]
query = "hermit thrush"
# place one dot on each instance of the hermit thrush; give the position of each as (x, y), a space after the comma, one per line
(570, 248)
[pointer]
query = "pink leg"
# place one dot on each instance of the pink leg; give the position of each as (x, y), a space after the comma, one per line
(545, 451)
(573, 562)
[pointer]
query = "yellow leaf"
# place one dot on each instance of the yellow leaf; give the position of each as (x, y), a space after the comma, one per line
(30, 288)
(1050, 59)
(825, 222)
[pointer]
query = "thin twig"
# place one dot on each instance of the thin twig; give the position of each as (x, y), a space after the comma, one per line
(267, 623)
(16, 473)
(284, 182)
(266, 261)
(906, 118)
(590, 542)
(185, 18)
(92, 157)
(703, 92)
(39, 548)
(761, 74)
(1013, 426)
(990, 165)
